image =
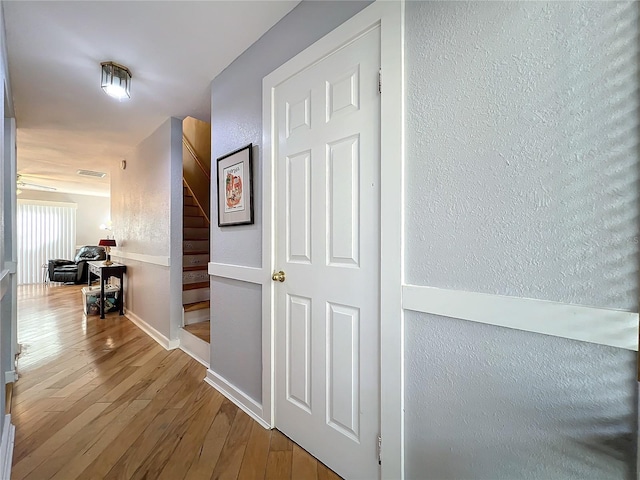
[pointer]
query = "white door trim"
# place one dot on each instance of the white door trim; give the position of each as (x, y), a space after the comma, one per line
(390, 16)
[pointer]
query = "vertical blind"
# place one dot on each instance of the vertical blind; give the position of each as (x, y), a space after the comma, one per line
(45, 231)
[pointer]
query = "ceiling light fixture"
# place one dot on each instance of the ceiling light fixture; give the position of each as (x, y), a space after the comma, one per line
(116, 80)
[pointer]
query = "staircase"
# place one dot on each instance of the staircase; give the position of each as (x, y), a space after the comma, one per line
(196, 174)
(195, 249)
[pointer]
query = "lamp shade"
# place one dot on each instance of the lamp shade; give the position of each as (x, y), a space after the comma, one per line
(107, 242)
(116, 80)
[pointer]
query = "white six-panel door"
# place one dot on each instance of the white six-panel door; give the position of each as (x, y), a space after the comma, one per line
(327, 231)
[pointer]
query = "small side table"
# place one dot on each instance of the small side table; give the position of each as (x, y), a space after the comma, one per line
(104, 272)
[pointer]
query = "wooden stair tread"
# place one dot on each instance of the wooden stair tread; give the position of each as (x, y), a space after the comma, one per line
(202, 330)
(194, 268)
(191, 307)
(193, 286)
(195, 229)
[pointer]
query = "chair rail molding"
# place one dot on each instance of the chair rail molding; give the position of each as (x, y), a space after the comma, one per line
(162, 260)
(616, 328)
(239, 272)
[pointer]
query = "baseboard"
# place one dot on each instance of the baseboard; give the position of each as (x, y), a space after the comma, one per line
(152, 332)
(195, 347)
(244, 402)
(10, 376)
(6, 447)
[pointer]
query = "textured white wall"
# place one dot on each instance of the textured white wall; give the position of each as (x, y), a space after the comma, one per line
(522, 180)
(146, 209)
(91, 212)
(141, 196)
(522, 135)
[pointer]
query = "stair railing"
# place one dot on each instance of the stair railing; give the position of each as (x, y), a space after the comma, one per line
(206, 217)
(197, 180)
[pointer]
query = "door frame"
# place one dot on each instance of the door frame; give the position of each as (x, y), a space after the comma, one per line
(390, 16)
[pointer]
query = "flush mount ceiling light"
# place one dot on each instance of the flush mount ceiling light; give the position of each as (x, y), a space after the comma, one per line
(116, 80)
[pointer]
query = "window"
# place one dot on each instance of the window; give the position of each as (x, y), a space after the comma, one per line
(46, 230)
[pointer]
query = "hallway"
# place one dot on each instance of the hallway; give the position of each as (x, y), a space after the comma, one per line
(100, 399)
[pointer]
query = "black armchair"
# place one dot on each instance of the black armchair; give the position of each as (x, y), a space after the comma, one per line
(75, 271)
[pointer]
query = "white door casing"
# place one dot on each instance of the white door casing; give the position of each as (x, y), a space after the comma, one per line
(389, 16)
(327, 312)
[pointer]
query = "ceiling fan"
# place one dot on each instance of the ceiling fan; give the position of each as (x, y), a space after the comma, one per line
(32, 186)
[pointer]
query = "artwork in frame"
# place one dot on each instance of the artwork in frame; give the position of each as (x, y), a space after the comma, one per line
(235, 187)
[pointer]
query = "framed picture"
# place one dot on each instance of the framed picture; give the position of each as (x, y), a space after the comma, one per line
(235, 187)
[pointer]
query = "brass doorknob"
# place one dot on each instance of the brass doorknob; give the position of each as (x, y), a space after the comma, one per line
(278, 276)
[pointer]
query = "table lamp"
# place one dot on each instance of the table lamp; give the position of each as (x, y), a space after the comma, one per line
(107, 243)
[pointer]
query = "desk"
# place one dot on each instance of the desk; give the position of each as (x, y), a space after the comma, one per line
(104, 272)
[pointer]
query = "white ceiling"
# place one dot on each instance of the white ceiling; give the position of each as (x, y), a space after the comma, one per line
(173, 49)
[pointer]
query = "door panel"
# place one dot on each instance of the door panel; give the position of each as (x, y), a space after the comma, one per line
(299, 208)
(343, 369)
(327, 240)
(299, 351)
(298, 114)
(343, 94)
(343, 162)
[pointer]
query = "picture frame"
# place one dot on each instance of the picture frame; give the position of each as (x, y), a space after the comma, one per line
(235, 187)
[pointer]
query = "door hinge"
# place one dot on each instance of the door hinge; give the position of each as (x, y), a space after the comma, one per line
(380, 81)
(379, 450)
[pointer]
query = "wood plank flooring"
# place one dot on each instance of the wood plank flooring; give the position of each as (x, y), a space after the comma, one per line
(202, 330)
(100, 399)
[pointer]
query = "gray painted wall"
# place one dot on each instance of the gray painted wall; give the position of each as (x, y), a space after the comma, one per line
(521, 179)
(522, 131)
(491, 403)
(236, 120)
(146, 210)
(237, 303)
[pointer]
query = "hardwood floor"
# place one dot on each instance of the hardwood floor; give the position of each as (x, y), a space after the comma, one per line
(100, 399)
(202, 330)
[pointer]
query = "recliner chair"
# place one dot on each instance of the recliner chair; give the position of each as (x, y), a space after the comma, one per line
(75, 271)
